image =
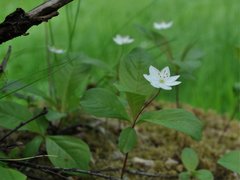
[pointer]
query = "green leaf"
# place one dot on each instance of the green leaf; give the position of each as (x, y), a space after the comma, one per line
(190, 159)
(103, 103)
(12, 114)
(131, 71)
(135, 102)
(3, 155)
(231, 161)
(99, 64)
(236, 89)
(11, 174)
(127, 140)
(203, 174)
(70, 152)
(178, 119)
(184, 176)
(54, 115)
(71, 82)
(32, 147)
(188, 66)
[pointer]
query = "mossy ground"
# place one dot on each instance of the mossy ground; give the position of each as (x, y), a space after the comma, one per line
(158, 148)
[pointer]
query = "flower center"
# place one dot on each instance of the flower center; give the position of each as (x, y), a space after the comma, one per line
(161, 81)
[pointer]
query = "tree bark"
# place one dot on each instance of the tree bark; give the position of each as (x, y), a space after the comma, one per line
(17, 23)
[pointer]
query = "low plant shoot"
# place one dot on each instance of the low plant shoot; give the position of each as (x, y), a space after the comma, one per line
(191, 161)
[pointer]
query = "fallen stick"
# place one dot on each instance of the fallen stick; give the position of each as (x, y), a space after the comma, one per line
(17, 23)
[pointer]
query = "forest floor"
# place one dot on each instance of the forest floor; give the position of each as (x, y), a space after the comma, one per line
(159, 148)
(157, 154)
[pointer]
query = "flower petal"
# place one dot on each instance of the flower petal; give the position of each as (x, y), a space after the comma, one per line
(165, 72)
(162, 25)
(174, 83)
(155, 84)
(154, 71)
(173, 78)
(121, 40)
(147, 77)
(164, 86)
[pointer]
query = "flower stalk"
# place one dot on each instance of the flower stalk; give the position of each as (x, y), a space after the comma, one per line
(133, 126)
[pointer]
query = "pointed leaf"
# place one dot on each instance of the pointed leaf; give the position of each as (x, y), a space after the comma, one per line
(103, 103)
(12, 114)
(71, 82)
(33, 146)
(184, 176)
(178, 119)
(131, 72)
(54, 115)
(127, 140)
(203, 174)
(190, 159)
(231, 161)
(135, 101)
(11, 174)
(70, 152)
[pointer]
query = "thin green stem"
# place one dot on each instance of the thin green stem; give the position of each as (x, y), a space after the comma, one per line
(144, 107)
(177, 97)
(50, 78)
(119, 61)
(177, 90)
(52, 40)
(72, 33)
(133, 126)
(68, 21)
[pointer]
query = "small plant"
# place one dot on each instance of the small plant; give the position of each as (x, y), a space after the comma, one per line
(231, 161)
(190, 160)
(138, 95)
(184, 64)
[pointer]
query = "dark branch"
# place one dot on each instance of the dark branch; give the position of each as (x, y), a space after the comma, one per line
(42, 113)
(96, 173)
(17, 23)
(60, 170)
(140, 173)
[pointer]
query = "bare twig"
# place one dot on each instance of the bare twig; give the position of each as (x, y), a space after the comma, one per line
(42, 113)
(140, 173)
(11, 146)
(157, 175)
(61, 170)
(17, 23)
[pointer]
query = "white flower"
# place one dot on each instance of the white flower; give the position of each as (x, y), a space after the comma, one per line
(55, 50)
(162, 25)
(120, 40)
(161, 79)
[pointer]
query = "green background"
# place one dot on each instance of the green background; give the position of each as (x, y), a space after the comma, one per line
(213, 24)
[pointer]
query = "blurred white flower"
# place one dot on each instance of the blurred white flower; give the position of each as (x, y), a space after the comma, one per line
(120, 40)
(55, 50)
(161, 79)
(162, 25)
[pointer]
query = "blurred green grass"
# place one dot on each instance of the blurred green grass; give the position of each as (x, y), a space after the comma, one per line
(214, 24)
